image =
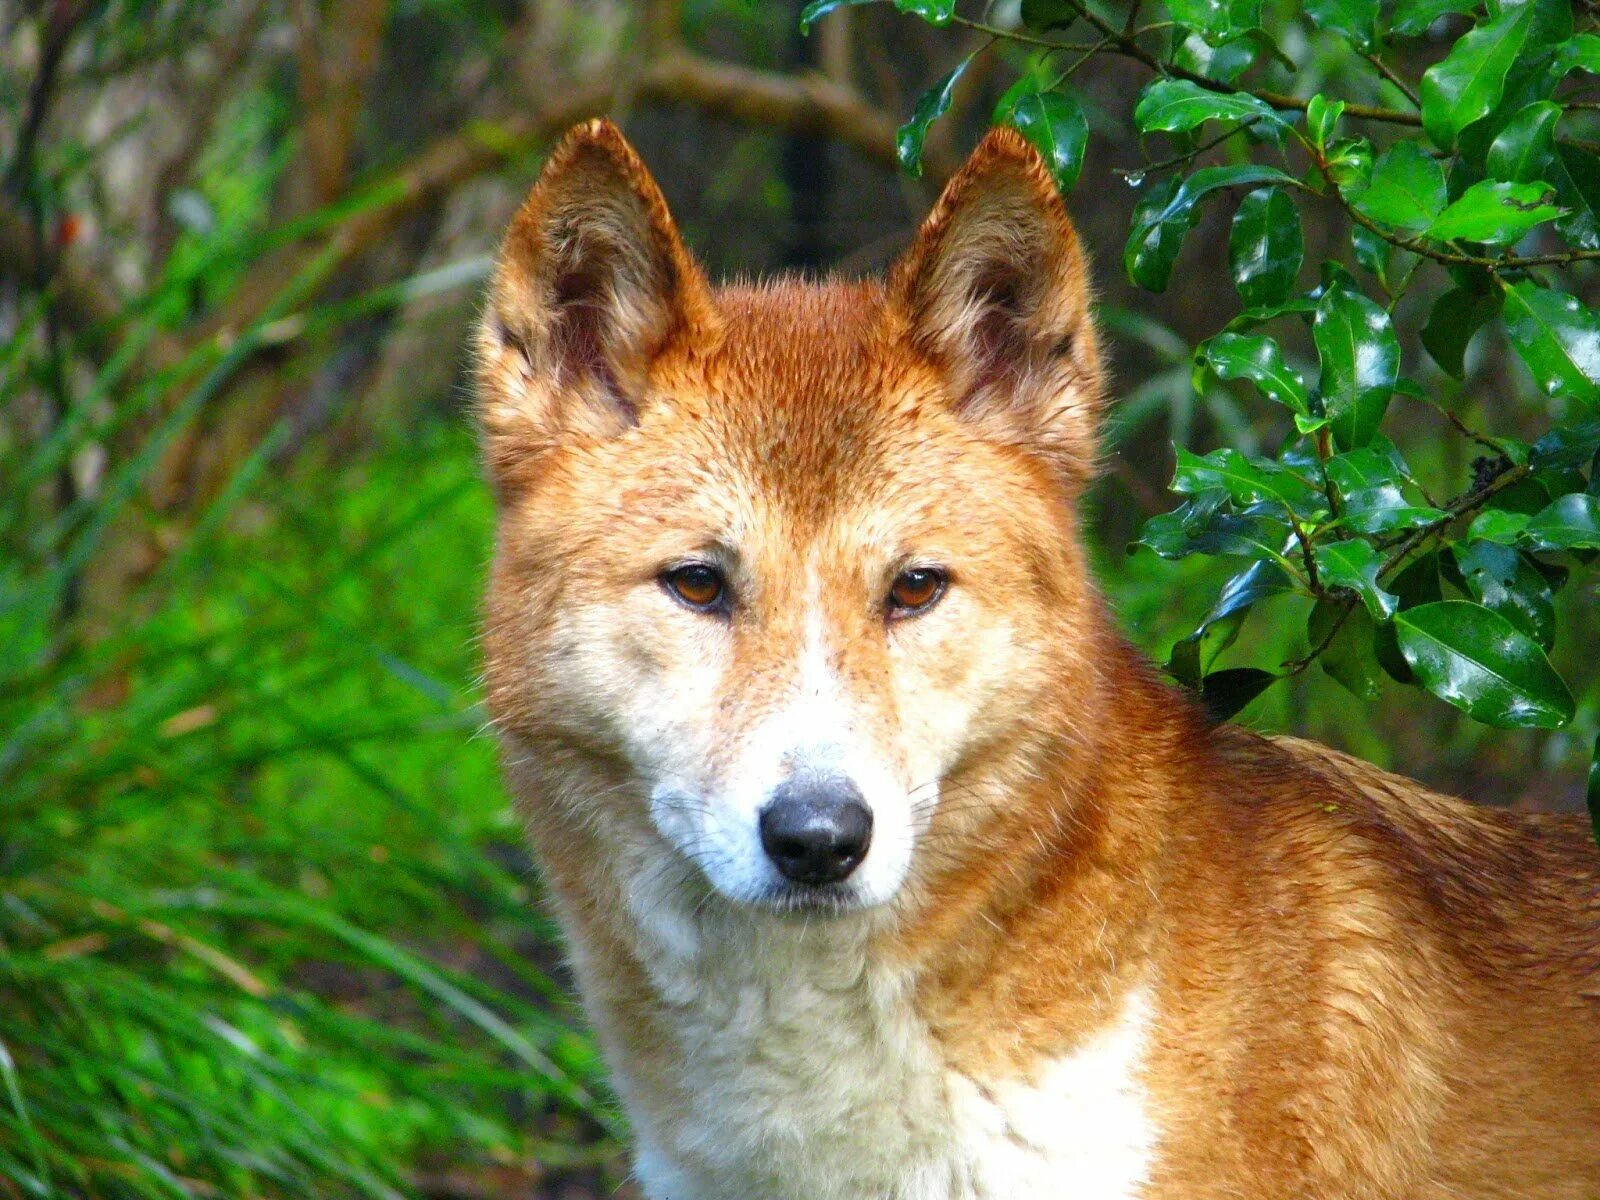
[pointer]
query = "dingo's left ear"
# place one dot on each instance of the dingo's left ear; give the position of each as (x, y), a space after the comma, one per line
(592, 281)
(995, 290)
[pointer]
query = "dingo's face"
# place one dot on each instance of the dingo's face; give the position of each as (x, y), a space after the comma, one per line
(785, 558)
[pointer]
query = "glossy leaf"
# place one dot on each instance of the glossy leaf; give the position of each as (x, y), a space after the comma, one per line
(1569, 523)
(1257, 358)
(933, 104)
(1054, 123)
(1355, 564)
(1557, 337)
(1177, 105)
(1495, 212)
(1225, 61)
(1382, 508)
(1192, 656)
(1354, 20)
(1165, 216)
(1500, 579)
(1407, 190)
(1412, 18)
(935, 12)
(817, 9)
(1457, 315)
(1217, 20)
(1581, 53)
(1265, 247)
(1322, 116)
(1576, 174)
(1498, 525)
(1468, 83)
(1480, 662)
(1521, 152)
(1246, 480)
(1360, 358)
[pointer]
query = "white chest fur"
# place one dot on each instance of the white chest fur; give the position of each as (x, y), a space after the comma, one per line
(803, 1073)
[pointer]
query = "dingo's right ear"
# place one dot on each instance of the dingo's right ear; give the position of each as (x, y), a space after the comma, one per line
(592, 281)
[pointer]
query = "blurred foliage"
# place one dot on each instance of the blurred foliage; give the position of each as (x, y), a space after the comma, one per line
(267, 927)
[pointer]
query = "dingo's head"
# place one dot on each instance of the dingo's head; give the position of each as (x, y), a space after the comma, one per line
(787, 560)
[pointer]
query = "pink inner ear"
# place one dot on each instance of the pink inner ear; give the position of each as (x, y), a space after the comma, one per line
(583, 304)
(998, 336)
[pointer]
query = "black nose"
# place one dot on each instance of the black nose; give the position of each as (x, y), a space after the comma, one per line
(816, 831)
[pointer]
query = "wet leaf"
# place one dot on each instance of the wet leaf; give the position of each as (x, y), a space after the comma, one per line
(1360, 358)
(1257, 358)
(1467, 84)
(1569, 523)
(1382, 508)
(817, 9)
(1355, 564)
(1407, 189)
(1265, 247)
(1480, 662)
(1164, 217)
(1557, 337)
(1177, 105)
(1246, 480)
(1412, 18)
(1054, 123)
(1502, 580)
(1521, 152)
(935, 12)
(933, 104)
(1495, 212)
(1354, 20)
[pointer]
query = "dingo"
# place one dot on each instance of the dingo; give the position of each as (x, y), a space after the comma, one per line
(890, 871)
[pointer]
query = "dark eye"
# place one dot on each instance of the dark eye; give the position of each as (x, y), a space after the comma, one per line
(915, 591)
(698, 585)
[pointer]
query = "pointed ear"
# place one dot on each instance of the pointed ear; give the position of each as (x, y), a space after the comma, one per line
(996, 292)
(592, 281)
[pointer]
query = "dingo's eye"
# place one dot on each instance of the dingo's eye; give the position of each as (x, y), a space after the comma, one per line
(915, 591)
(699, 586)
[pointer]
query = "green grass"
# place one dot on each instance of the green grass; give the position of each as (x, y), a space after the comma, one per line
(266, 923)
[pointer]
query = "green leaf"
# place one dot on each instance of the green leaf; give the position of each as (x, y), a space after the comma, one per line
(817, 9)
(1257, 358)
(1569, 523)
(1500, 579)
(1246, 480)
(1495, 212)
(1521, 152)
(1371, 466)
(1382, 508)
(1165, 215)
(1054, 123)
(932, 105)
(1457, 315)
(1480, 662)
(1581, 53)
(1349, 164)
(1565, 448)
(1407, 189)
(1322, 115)
(1557, 337)
(1226, 693)
(1347, 655)
(1265, 247)
(1360, 358)
(1499, 525)
(1225, 61)
(1217, 20)
(1468, 83)
(1354, 20)
(935, 12)
(1192, 655)
(1355, 564)
(1177, 105)
(1198, 528)
(1412, 18)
